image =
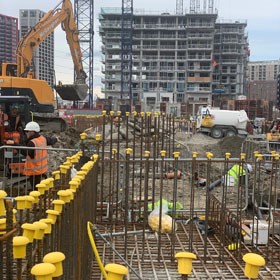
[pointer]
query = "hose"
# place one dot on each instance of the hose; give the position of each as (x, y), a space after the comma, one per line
(93, 245)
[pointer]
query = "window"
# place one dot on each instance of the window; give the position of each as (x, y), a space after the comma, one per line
(151, 100)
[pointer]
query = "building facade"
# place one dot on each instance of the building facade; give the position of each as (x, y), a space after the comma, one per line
(180, 62)
(262, 79)
(43, 56)
(8, 38)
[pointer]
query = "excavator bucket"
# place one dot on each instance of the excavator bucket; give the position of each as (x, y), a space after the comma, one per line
(72, 92)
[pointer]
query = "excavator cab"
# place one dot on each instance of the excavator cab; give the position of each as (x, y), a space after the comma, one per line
(8, 69)
(14, 114)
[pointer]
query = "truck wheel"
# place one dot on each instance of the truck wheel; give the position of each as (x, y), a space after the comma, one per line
(230, 132)
(216, 132)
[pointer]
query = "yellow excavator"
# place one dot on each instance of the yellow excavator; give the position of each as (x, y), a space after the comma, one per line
(20, 80)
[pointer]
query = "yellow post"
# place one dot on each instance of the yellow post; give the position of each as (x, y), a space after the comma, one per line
(56, 174)
(83, 136)
(185, 262)
(48, 222)
(36, 195)
(14, 216)
(82, 174)
(20, 202)
(52, 214)
(58, 205)
(19, 246)
(43, 271)
(28, 201)
(73, 185)
(253, 263)
(3, 226)
(64, 195)
(64, 169)
(2, 204)
(39, 233)
(116, 271)
(29, 231)
(56, 259)
(41, 188)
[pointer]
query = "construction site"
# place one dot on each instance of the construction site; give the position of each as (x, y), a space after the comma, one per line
(124, 170)
(142, 187)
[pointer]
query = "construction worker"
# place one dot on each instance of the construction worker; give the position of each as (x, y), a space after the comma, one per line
(239, 173)
(36, 165)
(275, 127)
(14, 120)
(13, 130)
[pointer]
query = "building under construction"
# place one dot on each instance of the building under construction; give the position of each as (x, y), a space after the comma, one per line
(179, 61)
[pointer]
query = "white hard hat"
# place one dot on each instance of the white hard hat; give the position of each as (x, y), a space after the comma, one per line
(249, 167)
(32, 126)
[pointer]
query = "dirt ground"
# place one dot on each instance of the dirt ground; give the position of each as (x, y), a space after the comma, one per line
(202, 143)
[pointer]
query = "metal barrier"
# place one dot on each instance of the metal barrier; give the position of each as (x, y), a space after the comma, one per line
(60, 206)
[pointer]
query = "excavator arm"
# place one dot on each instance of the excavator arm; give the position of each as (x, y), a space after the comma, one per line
(39, 33)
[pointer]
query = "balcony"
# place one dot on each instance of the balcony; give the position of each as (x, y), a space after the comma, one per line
(200, 46)
(199, 79)
(205, 25)
(199, 57)
(199, 89)
(199, 68)
(155, 26)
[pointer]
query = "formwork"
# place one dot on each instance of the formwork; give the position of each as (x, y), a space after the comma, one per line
(129, 170)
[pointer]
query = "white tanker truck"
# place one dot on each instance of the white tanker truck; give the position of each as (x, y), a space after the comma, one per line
(220, 123)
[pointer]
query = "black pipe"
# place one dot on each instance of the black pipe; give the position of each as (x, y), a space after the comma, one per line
(214, 184)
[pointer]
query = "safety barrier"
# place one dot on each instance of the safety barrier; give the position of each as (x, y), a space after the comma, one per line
(51, 218)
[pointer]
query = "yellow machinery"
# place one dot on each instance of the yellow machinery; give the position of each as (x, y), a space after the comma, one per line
(273, 136)
(20, 80)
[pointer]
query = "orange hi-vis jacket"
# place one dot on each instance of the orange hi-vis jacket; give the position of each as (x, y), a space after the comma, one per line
(39, 164)
(13, 135)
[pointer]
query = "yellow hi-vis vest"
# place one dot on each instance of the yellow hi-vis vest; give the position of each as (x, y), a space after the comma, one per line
(236, 171)
(39, 164)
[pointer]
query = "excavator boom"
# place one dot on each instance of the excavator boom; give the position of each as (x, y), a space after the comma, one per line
(39, 33)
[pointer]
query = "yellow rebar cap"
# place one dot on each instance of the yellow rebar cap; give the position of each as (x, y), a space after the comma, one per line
(253, 263)
(254, 259)
(43, 269)
(116, 269)
(20, 240)
(2, 194)
(56, 259)
(185, 262)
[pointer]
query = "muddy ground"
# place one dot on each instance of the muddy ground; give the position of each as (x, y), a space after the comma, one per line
(197, 143)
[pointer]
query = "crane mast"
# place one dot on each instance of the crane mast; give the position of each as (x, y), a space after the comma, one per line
(126, 50)
(84, 17)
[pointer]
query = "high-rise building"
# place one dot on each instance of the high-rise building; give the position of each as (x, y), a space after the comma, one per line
(8, 38)
(262, 79)
(180, 62)
(263, 70)
(43, 56)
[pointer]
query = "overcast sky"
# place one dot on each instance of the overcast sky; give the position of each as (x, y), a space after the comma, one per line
(262, 16)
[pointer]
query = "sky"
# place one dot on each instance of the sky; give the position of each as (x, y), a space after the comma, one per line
(262, 17)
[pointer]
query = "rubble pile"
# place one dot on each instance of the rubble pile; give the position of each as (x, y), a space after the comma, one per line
(202, 143)
(68, 139)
